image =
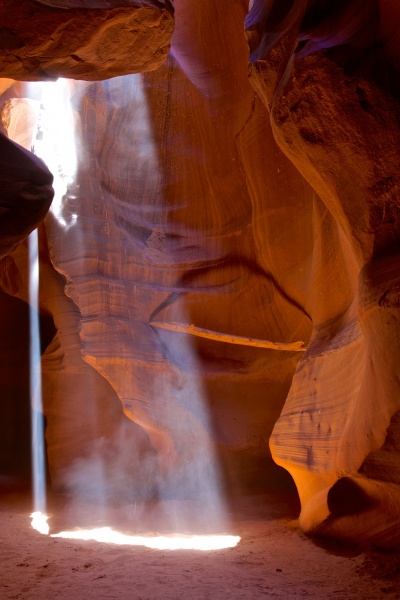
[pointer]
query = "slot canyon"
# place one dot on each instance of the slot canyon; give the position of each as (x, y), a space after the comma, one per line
(213, 188)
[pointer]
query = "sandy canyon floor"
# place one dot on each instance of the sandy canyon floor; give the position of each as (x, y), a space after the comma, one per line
(273, 559)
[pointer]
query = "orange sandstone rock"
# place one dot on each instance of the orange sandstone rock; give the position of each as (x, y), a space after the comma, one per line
(44, 41)
(206, 205)
(334, 112)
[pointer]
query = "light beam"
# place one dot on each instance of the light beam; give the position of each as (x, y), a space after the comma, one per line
(175, 541)
(39, 522)
(107, 535)
(37, 419)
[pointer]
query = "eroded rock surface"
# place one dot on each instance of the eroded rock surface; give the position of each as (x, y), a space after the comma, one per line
(333, 98)
(162, 244)
(263, 209)
(82, 40)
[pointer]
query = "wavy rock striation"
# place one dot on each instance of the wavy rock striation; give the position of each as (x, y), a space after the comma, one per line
(215, 222)
(333, 99)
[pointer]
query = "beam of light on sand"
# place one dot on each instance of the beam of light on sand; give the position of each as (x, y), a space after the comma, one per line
(22, 126)
(37, 419)
(173, 541)
(188, 462)
(106, 535)
(39, 522)
(42, 122)
(53, 141)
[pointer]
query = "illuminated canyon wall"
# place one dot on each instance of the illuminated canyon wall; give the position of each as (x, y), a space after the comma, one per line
(247, 186)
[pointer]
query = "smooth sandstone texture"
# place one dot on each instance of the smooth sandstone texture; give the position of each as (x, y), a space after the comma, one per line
(90, 40)
(334, 112)
(262, 210)
(163, 244)
(165, 229)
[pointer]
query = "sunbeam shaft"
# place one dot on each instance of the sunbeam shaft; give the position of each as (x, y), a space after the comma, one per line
(37, 420)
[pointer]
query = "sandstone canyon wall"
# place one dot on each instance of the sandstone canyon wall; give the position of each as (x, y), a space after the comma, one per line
(330, 83)
(82, 40)
(258, 202)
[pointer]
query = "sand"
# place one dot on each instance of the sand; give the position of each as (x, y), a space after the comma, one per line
(273, 559)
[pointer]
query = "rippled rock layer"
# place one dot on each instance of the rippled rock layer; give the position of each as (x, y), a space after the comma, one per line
(332, 92)
(222, 266)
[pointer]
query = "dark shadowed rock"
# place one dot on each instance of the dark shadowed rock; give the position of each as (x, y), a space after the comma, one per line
(90, 40)
(25, 193)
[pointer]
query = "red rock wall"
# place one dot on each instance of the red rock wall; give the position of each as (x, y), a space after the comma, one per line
(334, 112)
(167, 228)
(90, 40)
(262, 208)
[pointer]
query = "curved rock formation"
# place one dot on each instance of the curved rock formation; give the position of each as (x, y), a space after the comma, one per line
(82, 40)
(211, 226)
(25, 193)
(153, 240)
(162, 245)
(330, 84)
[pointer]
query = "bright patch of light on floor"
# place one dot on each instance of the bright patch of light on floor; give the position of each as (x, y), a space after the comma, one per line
(39, 522)
(173, 541)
